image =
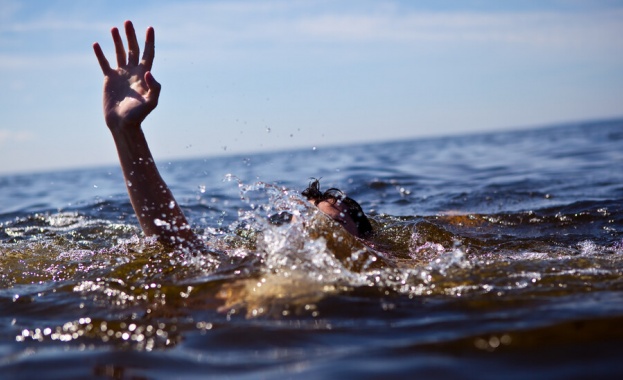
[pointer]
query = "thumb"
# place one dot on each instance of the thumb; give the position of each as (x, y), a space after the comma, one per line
(153, 87)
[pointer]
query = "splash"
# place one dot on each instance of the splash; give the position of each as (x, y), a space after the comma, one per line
(301, 261)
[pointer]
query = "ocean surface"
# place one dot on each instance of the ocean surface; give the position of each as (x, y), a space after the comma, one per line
(496, 255)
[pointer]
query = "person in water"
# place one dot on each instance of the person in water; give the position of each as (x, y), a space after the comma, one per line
(130, 94)
(340, 208)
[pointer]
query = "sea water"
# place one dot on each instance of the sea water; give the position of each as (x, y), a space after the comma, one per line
(496, 255)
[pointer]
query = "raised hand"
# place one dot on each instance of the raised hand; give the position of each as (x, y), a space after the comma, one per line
(130, 91)
(130, 94)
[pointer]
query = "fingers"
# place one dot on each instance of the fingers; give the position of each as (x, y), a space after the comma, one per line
(101, 58)
(133, 48)
(119, 49)
(150, 49)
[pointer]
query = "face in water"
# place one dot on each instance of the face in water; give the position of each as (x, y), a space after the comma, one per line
(340, 208)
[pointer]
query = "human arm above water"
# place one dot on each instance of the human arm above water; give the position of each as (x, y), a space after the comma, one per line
(130, 94)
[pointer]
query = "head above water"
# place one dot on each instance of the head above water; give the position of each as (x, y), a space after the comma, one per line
(344, 210)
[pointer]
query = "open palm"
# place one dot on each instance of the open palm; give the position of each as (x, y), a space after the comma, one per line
(130, 91)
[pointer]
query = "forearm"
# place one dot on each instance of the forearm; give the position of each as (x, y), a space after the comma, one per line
(156, 209)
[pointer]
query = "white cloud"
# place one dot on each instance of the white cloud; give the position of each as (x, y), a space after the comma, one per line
(197, 26)
(50, 61)
(53, 25)
(224, 29)
(8, 136)
(536, 28)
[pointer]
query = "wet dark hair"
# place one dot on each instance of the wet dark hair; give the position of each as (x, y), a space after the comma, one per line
(333, 195)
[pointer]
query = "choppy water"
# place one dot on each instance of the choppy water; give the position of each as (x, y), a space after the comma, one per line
(497, 255)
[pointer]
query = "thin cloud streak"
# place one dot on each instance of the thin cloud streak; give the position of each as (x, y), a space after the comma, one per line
(7, 136)
(53, 25)
(216, 30)
(47, 62)
(541, 30)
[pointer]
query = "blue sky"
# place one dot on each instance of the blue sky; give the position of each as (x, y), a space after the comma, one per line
(256, 76)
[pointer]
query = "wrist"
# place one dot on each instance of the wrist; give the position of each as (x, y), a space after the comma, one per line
(120, 127)
(129, 138)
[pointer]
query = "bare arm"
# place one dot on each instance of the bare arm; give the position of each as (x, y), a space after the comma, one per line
(130, 94)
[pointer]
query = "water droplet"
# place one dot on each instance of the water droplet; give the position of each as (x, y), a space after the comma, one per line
(494, 342)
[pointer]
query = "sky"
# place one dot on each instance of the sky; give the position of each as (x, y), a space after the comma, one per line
(241, 77)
